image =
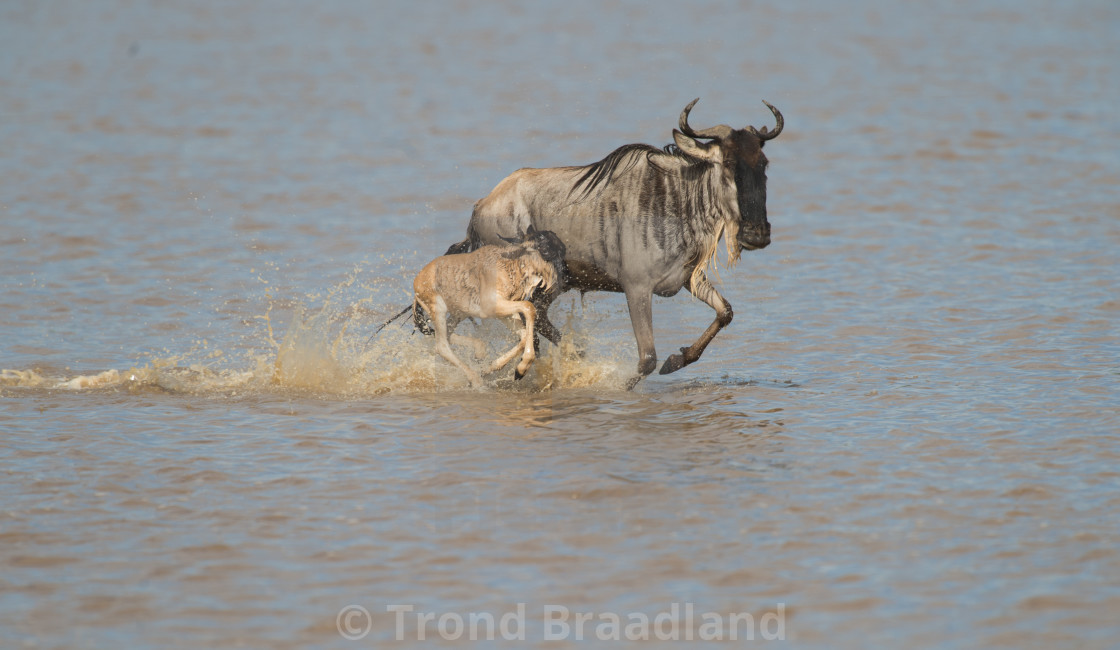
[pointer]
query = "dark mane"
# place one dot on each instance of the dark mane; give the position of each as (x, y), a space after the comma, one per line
(600, 173)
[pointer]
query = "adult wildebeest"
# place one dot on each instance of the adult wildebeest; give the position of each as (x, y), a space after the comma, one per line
(643, 221)
(494, 281)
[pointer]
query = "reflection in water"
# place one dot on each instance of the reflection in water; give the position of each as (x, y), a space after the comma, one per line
(907, 436)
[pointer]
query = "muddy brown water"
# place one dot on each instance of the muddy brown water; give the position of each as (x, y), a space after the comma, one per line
(908, 437)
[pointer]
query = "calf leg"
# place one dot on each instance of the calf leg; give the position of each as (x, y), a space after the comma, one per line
(640, 302)
(503, 360)
(506, 308)
(478, 346)
(438, 312)
(706, 292)
(528, 340)
(516, 324)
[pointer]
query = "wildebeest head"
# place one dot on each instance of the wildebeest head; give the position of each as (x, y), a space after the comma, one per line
(738, 154)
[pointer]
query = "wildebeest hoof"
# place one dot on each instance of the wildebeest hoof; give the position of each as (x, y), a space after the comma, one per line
(674, 363)
(517, 374)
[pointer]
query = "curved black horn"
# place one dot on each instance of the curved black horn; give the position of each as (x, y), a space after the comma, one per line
(683, 122)
(762, 133)
(720, 131)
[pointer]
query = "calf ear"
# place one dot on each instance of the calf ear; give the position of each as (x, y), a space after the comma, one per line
(531, 231)
(707, 152)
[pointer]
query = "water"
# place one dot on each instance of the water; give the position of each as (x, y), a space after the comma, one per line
(909, 436)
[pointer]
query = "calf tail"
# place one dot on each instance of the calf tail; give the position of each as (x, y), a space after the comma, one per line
(386, 323)
(420, 319)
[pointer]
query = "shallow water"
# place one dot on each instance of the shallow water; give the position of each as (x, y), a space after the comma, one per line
(908, 437)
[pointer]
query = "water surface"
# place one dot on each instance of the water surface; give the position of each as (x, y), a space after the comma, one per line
(908, 437)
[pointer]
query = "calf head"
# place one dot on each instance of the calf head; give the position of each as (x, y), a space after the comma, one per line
(549, 246)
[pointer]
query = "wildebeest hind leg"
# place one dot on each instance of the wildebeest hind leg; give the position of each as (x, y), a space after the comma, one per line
(706, 292)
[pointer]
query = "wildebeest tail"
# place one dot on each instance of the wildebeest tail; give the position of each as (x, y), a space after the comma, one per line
(471, 243)
(462, 247)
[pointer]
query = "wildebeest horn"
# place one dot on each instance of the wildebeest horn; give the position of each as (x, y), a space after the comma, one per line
(762, 133)
(720, 131)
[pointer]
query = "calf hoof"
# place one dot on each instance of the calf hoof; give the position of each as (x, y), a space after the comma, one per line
(517, 374)
(675, 362)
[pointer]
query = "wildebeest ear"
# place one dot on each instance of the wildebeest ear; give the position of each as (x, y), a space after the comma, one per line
(708, 152)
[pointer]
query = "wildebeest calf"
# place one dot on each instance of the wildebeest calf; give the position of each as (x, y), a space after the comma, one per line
(495, 281)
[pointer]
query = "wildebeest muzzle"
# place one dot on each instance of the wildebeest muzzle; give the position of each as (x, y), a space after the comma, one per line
(753, 238)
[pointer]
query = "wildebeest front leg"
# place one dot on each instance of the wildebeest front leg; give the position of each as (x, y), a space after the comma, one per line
(550, 331)
(544, 325)
(706, 292)
(640, 303)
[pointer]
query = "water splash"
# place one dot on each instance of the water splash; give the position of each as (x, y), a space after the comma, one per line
(326, 348)
(330, 350)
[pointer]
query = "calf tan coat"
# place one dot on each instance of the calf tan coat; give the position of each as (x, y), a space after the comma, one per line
(493, 281)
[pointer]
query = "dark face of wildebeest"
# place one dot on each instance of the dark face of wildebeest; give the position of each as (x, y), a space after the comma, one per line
(738, 153)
